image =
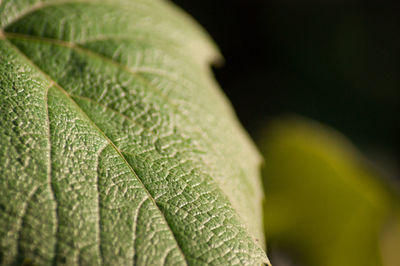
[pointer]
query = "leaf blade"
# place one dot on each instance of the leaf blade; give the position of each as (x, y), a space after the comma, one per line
(172, 161)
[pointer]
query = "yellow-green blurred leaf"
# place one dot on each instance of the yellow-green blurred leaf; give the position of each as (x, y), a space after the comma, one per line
(324, 206)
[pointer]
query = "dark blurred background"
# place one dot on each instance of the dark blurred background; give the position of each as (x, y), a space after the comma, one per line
(337, 62)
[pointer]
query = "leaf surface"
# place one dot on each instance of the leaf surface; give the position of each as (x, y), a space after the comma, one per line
(117, 146)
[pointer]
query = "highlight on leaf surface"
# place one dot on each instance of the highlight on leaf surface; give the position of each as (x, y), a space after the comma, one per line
(324, 204)
(117, 146)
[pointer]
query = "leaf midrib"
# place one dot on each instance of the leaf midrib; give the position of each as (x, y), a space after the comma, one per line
(127, 69)
(77, 47)
(55, 84)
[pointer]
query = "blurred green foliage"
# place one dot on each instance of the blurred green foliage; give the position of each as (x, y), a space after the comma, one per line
(325, 206)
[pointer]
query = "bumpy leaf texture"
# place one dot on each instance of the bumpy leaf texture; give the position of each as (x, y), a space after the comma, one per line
(117, 146)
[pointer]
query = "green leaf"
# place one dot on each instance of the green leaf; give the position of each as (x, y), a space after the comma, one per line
(325, 206)
(390, 239)
(117, 146)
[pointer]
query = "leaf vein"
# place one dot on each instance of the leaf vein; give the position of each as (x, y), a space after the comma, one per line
(42, 5)
(99, 206)
(21, 220)
(49, 175)
(146, 82)
(105, 137)
(135, 232)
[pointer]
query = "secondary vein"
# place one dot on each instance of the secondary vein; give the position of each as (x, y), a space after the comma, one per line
(105, 137)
